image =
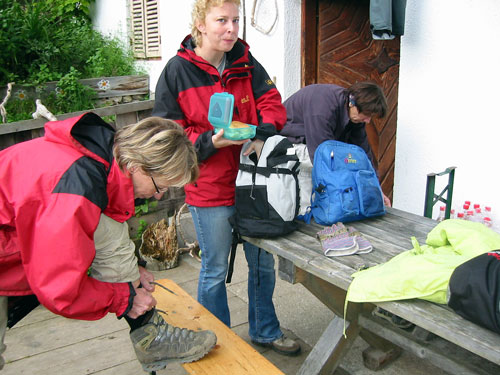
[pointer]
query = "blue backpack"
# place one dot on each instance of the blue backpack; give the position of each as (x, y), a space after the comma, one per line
(345, 185)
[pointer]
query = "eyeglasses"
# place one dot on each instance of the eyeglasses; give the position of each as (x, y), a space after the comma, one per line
(158, 190)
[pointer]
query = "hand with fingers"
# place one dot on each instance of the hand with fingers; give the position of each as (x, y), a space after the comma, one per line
(147, 279)
(143, 302)
(219, 141)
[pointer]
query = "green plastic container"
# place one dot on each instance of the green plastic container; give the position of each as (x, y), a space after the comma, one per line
(220, 115)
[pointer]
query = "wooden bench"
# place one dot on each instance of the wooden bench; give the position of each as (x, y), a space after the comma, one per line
(231, 354)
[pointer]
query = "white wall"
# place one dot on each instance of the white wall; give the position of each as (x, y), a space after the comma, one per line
(110, 18)
(448, 98)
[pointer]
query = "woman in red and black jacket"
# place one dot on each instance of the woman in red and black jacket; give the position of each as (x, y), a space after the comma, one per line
(212, 60)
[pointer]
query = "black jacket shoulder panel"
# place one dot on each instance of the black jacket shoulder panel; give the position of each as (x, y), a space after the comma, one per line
(85, 177)
(96, 135)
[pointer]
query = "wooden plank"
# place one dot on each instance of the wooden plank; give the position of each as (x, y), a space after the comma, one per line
(330, 348)
(286, 270)
(80, 357)
(311, 261)
(19, 126)
(381, 351)
(39, 314)
(441, 353)
(119, 85)
(53, 334)
(124, 119)
(231, 355)
(448, 325)
(105, 87)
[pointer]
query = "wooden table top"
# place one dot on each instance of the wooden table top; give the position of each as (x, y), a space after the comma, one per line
(389, 235)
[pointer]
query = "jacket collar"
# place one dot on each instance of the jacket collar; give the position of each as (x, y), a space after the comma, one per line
(87, 133)
(238, 57)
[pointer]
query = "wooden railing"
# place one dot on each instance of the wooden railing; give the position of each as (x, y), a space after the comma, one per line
(15, 132)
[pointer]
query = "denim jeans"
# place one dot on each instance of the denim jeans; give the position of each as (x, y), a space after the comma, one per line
(214, 234)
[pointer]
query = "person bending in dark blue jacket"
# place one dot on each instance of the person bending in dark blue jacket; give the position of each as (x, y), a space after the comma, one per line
(321, 112)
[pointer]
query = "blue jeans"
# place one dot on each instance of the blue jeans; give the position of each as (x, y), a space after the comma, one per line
(214, 234)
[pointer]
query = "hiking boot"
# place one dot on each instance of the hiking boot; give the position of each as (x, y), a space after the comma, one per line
(395, 320)
(283, 345)
(158, 343)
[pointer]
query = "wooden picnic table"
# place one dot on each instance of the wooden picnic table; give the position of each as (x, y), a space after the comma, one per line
(301, 260)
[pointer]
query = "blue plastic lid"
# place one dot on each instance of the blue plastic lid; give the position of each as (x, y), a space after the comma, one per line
(220, 110)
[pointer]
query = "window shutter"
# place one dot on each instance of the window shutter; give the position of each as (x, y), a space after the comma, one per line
(152, 29)
(145, 28)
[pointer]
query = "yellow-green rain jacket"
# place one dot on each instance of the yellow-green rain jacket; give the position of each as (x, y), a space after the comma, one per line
(424, 271)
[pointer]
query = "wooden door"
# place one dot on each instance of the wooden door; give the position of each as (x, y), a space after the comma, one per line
(337, 47)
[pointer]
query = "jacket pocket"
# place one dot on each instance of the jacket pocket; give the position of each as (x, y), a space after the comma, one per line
(246, 196)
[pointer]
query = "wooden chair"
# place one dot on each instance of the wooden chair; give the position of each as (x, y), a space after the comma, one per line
(431, 198)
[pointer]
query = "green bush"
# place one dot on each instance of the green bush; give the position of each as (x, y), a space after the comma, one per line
(53, 40)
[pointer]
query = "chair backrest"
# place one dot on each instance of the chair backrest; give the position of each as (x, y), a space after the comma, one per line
(431, 198)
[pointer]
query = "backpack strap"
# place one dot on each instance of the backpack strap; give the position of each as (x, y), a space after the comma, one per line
(236, 240)
(265, 171)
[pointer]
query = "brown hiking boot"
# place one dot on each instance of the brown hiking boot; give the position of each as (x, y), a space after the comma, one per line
(158, 343)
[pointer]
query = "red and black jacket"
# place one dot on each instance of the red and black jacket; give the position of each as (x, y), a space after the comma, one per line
(183, 94)
(52, 194)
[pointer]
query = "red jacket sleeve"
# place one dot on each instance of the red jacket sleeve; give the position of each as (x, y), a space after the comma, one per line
(57, 248)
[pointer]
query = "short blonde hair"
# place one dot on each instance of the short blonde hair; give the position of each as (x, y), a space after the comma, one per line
(199, 13)
(160, 147)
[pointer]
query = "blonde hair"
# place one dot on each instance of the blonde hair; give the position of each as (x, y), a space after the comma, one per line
(158, 146)
(199, 13)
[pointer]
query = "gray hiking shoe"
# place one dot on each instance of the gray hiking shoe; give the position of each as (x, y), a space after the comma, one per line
(158, 343)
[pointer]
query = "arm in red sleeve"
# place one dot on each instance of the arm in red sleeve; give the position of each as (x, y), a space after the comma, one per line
(57, 248)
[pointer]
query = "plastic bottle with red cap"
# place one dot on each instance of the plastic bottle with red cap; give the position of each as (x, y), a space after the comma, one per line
(466, 208)
(487, 221)
(488, 218)
(469, 215)
(441, 213)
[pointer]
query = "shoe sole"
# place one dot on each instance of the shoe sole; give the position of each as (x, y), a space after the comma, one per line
(284, 352)
(160, 365)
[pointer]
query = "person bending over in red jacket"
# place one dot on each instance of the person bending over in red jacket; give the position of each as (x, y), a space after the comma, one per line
(64, 241)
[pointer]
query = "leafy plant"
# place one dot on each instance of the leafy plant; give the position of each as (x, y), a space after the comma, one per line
(145, 207)
(111, 58)
(53, 40)
(140, 230)
(72, 95)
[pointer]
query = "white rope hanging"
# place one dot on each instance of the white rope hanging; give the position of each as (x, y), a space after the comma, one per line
(254, 22)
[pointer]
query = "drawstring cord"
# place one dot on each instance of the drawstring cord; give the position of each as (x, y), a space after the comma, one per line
(161, 286)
